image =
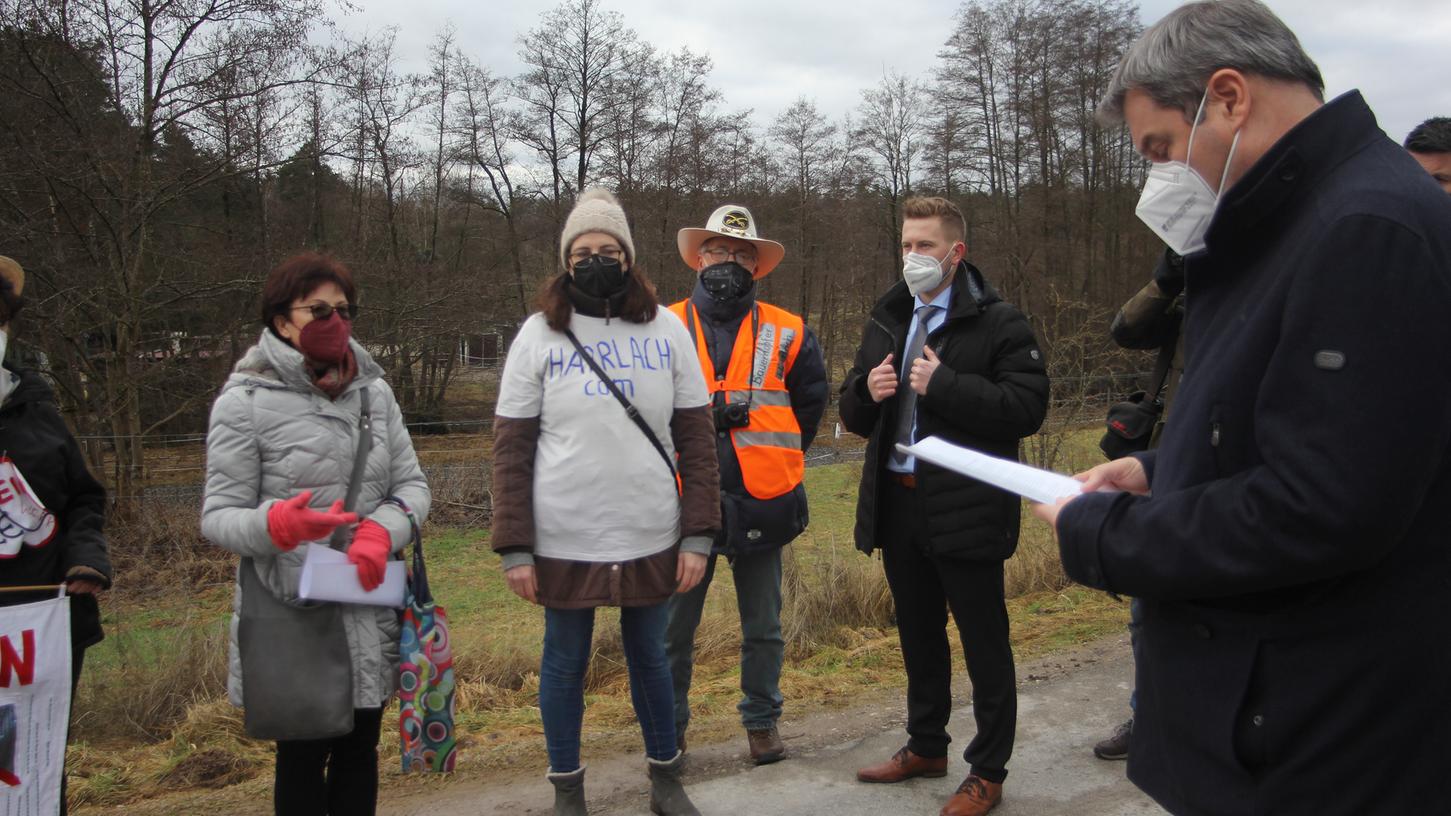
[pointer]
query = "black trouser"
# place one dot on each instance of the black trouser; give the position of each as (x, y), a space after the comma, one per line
(924, 586)
(337, 776)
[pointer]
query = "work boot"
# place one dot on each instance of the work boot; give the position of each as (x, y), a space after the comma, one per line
(568, 792)
(902, 766)
(766, 745)
(667, 795)
(975, 797)
(1116, 746)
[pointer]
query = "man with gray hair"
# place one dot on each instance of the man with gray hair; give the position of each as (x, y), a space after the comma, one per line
(1288, 537)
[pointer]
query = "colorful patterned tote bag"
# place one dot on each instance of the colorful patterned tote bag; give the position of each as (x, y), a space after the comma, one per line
(425, 676)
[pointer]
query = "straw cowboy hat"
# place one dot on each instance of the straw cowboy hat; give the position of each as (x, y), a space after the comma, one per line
(730, 221)
(14, 276)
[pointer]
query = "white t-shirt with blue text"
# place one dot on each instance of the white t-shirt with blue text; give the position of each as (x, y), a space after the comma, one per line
(601, 490)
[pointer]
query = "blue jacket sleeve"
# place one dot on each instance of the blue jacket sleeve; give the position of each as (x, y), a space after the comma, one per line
(806, 382)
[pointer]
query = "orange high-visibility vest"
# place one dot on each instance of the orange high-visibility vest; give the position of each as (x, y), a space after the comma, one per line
(769, 449)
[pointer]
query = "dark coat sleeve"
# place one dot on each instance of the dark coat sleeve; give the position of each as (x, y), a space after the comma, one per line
(516, 444)
(693, 432)
(806, 381)
(1343, 466)
(1011, 401)
(859, 412)
(85, 510)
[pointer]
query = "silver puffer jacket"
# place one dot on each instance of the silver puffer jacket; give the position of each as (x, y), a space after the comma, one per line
(273, 434)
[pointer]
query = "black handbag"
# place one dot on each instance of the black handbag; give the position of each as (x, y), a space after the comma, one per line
(297, 672)
(1131, 422)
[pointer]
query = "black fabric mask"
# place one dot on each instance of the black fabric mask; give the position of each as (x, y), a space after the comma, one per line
(727, 281)
(600, 277)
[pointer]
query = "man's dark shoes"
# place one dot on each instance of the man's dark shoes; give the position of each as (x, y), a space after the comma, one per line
(902, 766)
(766, 745)
(1116, 746)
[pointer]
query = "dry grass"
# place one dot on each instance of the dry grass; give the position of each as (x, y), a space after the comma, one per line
(830, 595)
(151, 682)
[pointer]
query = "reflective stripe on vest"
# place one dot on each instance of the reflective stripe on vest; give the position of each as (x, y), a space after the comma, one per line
(769, 448)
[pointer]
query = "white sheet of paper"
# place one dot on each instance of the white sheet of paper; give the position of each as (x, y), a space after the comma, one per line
(1027, 481)
(328, 575)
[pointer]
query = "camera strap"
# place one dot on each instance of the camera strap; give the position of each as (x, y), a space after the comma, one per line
(630, 410)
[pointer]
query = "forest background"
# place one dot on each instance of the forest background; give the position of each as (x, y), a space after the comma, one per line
(158, 157)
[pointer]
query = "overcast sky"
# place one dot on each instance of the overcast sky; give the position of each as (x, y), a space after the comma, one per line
(769, 52)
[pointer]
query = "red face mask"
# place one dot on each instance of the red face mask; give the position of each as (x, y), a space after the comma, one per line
(325, 341)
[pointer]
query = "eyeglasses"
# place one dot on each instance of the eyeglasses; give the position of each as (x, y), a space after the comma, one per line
(721, 255)
(322, 311)
(581, 255)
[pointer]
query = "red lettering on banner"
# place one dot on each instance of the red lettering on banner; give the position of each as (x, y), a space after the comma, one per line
(24, 668)
(6, 496)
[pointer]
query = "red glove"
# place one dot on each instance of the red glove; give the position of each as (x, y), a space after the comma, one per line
(292, 522)
(369, 553)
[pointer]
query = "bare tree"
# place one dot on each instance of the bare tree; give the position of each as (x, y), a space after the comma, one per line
(441, 85)
(159, 65)
(804, 138)
(892, 132)
(486, 127)
(581, 60)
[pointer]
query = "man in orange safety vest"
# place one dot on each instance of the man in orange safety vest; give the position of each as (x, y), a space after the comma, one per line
(768, 386)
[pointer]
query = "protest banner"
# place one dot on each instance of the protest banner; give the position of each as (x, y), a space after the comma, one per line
(35, 690)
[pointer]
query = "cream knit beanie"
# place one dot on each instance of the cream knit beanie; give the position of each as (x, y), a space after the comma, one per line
(596, 211)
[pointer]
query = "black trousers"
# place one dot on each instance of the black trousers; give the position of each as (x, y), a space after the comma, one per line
(924, 587)
(331, 777)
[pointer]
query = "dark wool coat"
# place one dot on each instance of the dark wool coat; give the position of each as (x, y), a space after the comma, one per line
(1294, 559)
(36, 439)
(990, 391)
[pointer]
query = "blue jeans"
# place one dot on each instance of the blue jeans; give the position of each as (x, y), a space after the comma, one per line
(568, 636)
(758, 600)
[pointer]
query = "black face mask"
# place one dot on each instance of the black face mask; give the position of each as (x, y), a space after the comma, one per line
(726, 281)
(600, 277)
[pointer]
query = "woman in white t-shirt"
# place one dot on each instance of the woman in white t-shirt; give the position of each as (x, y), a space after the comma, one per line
(588, 509)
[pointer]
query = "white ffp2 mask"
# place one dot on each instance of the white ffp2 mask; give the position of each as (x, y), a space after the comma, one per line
(1177, 203)
(923, 273)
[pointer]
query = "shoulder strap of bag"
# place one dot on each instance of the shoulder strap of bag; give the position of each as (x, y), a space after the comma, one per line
(339, 540)
(418, 580)
(1162, 364)
(630, 410)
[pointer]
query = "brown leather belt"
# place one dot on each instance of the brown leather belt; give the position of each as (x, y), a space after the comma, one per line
(907, 480)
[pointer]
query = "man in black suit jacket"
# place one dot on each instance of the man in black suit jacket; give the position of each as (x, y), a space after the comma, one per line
(944, 355)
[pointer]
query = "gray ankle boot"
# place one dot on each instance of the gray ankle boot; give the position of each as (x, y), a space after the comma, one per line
(568, 793)
(667, 796)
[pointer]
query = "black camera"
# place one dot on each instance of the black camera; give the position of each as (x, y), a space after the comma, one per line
(732, 415)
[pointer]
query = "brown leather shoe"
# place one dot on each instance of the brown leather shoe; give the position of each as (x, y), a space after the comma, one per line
(902, 766)
(766, 745)
(975, 797)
